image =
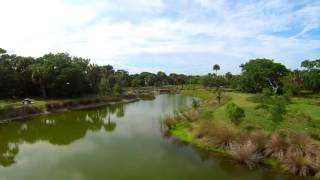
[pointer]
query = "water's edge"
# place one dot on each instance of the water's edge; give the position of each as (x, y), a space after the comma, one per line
(45, 111)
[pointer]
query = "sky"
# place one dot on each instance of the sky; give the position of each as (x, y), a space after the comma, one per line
(184, 36)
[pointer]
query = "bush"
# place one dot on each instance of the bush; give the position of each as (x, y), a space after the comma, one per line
(195, 104)
(267, 92)
(246, 153)
(260, 138)
(118, 89)
(235, 113)
(220, 135)
(301, 144)
(299, 165)
(276, 147)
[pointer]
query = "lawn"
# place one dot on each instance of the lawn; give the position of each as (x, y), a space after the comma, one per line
(303, 114)
(18, 103)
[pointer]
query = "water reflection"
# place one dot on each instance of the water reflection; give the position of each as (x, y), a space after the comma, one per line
(57, 129)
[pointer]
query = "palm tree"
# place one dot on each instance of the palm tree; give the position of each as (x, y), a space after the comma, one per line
(216, 67)
(39, 76)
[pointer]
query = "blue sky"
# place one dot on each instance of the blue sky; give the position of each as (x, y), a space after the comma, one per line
(185, 36)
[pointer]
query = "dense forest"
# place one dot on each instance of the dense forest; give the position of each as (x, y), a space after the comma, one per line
(63, 75)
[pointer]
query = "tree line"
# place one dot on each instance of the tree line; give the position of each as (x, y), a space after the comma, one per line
(62, 75)
(262, 74)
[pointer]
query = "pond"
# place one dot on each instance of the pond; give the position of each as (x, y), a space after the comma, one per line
(116, 142)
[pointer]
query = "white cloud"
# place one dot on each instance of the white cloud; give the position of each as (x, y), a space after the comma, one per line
(116, 31)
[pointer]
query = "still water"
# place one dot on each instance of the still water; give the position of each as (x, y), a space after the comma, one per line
(116, 142)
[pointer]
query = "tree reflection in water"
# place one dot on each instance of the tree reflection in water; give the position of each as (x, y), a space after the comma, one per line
(57, 129)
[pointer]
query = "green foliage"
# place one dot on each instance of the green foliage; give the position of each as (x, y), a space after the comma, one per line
(118, 89)
(275, 105)
(235, 113)
(213, 81)
(216, 68)
(104, 87)
(312, 75)
(294, 82)
(261, 73)
(267, 92)
(195, 104)
(2, 51)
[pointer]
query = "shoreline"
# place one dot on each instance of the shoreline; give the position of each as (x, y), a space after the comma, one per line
(251, 148)
(45, 111)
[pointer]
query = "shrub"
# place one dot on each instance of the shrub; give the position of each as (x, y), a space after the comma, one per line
(170, 122)
(260, 138)
(205, 129)
(222, 136)
(246, 153)
(118, 89)
(267, 92)
(299, 165)
(301, 144)
(277, 111)
(276, 147)
(317, 165)
(235, 113)
(195, 104)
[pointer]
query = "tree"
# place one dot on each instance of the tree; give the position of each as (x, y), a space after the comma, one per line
(228, 76)
(216, 68)
(118, 89)
(8, 76)
(2, 51)
(215, 81)
(23, 76)
(60, 75)
(122, 78)
(262, 73)
(162, 79)
(235, 113)
(294, 82)
(40, 76)
(104, 87)
(312, 74)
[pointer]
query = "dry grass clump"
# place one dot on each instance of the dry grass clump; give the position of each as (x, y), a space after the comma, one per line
(189, 116)
(223, 136)
(171, 121)
(246, 153)
(276, 147)
(301, 144)
(260, 138)
(299, 165)
(317, 166)
(302, 156)
(298, 153)
(203, 130)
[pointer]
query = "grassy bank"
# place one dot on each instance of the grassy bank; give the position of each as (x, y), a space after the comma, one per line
(11, 110)
(258, 139)
(302, 114)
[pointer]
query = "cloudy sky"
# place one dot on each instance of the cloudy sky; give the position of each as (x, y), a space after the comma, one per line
(185, 36)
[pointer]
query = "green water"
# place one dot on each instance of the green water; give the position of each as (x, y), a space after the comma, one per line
(118, 142)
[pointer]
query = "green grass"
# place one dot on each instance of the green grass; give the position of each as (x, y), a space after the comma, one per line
(303, 114)
(18, 103)
(184, 133)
